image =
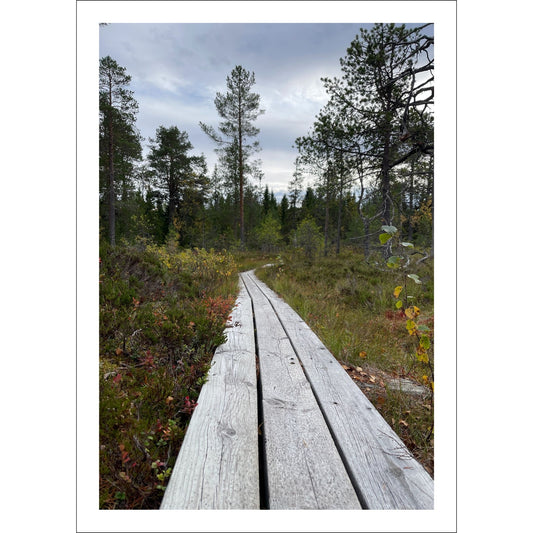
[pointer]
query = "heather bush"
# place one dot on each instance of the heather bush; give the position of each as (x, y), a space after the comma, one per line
(162, 314)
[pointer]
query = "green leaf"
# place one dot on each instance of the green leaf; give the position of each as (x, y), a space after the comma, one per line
(415, 278)
(389, 229)
(423, 327)
(399, 304)
(384, 237)
(394, 261)
(408, 244)
(425, 342)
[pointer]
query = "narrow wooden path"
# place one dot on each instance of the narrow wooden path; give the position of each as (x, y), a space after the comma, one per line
(280, 425)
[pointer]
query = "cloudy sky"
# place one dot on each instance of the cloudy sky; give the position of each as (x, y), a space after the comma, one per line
(177, 69)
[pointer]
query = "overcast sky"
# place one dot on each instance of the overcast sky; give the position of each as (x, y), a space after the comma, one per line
(177, 69)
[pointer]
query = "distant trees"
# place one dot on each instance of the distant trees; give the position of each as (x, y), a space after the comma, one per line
(324, 151)
(238, 108)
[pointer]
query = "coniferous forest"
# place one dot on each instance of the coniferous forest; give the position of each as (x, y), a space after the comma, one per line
(349, 244)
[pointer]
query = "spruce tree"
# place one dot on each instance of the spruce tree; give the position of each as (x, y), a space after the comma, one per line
(180, 176)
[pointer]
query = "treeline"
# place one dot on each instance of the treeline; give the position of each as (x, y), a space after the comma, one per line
(367, 160)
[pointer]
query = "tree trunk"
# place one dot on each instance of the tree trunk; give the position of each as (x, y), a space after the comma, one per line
(339, 218)
(326, 223)
(411, 202)
(366, 241)
(385, 179)
(241, 172)
(111, 188)
(385, 182)
(241, 191)
(171, 212)
(172, 194)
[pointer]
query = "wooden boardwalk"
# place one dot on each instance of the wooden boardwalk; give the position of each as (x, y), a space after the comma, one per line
(280, 425)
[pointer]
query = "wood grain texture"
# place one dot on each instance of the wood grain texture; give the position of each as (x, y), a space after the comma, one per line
(303, 467)
(218, 464)
(384, 471)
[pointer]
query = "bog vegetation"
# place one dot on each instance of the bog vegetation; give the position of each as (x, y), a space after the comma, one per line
(350, 244)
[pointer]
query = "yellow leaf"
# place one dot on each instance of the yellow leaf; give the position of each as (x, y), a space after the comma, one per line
(421, 354)
(362, 355)
(423, 358)
(397, 291)
(412, 312)
(411, 327)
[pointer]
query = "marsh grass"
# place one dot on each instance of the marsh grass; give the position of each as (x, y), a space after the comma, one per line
(350, 304)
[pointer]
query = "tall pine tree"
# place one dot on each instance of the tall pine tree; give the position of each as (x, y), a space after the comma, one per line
(120, 142)
(238, 108)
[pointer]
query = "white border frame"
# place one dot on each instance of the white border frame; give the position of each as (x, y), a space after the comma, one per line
(89, 517)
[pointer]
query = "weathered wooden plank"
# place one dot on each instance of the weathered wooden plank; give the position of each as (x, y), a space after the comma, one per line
(218, 464)
(386, 474)
(302, 465)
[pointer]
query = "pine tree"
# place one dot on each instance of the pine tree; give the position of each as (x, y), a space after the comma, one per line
(120, 142)
(238, 108)
(386, 88)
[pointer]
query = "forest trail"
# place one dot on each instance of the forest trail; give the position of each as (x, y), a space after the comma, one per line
(321, 443)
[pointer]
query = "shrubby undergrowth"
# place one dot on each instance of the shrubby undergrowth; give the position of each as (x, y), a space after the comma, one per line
(162, 314)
